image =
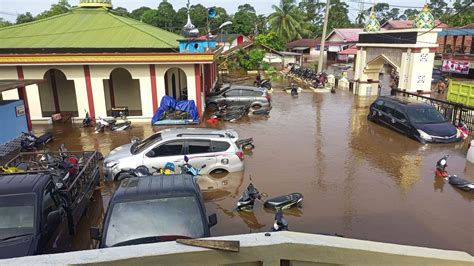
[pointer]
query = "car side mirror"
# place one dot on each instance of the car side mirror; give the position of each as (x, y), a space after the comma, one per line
(212, 220)
(53, 219)
(135, 140)
(95, 233)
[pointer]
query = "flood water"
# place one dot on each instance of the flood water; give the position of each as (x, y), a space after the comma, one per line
(358, 179)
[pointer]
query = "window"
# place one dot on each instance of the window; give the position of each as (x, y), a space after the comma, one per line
(398, 114)
(251, 93)
(144, 144)
(199, 146)
(218, 146)
(232, 93)
(49, 203)
(171, 148)
(388, 107)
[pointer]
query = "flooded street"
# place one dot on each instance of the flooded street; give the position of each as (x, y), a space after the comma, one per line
(358, 179)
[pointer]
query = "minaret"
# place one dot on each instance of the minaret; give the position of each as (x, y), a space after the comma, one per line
(189, 30)
(373, 25)
(424, 20)
(96, 3)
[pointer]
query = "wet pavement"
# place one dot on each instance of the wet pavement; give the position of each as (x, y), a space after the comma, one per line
(358, 179)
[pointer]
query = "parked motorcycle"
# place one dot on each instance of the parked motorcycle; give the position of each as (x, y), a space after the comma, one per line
(463, 129)
(454, 180)
(30, 141)
(294, 90)
(87, 121)
(264, 83)
(112, 124)
(246, 144)
(247, 200)
(280, 224)
(187, 168)
(142, 170)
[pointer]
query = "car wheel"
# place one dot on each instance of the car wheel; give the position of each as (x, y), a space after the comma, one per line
(212, 107)
(256, 106)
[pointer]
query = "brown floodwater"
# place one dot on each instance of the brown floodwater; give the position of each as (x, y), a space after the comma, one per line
(358, 179)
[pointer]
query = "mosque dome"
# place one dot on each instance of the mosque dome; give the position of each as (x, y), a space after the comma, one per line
(424, 20)
(96, 3)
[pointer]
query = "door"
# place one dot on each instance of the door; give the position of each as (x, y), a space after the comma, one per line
(232, 97)
(376, 111)
(400, 121)
(200, 153)
(387, 110)
(248, 97)
(162, 153)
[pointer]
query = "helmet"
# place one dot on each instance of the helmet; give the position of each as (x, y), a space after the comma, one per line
(169, 166)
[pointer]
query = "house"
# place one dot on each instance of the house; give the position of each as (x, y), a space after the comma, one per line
(339, 39)
(406, 24)
(456, 49)
(93, 60)
(275, 58)
(228, 41)
(305, 47)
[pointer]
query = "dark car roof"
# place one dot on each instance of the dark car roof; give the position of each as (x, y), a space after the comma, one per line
(406, 101)
(22, 183)
(160, 186)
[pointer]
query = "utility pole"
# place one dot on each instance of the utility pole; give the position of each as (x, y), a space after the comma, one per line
(323, 38)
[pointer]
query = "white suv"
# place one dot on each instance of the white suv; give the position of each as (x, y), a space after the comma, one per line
(214, 148)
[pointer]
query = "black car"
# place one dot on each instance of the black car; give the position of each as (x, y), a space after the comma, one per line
(154, 209)
(32, 216)
(417, 120)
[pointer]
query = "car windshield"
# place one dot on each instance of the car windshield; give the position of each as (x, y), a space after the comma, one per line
(180, 216)
(144, 144)
(17, 215)
(425, 115)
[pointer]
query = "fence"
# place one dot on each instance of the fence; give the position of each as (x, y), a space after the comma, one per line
(454, 112)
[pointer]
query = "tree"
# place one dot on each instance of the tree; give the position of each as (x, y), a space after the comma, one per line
(221, 17)
(271, 40)
(314, 15)
(151, 17)
(438, 8)
(338, 16)
(166, 16)
(287, 21)
(248, 60)
(262, 24)
(199, 17)
(409, 14)
(138, 13)
(4, 23)
(381, 11)
(122, 11)
(56, 9)
(464, 15)
(24, 18)
(244, 20)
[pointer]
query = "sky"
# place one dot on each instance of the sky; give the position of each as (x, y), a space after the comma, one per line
(261, 6)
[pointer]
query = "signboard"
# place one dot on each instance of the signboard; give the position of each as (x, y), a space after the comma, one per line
(454, 66)
(20, 110)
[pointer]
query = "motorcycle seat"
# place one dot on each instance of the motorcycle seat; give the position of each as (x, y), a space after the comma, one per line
(284, 200)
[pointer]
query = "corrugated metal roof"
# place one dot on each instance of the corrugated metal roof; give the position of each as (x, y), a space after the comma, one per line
(86, 28)
(349, 35)
(308, 43)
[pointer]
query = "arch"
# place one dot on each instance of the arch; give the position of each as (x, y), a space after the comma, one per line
(122, 90)
(176, 84)
(379, 69)
(57, 94)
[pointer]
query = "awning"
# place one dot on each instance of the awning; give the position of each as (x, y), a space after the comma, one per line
(9, 84)
(299, 48)
(349, 51)
(456, 32)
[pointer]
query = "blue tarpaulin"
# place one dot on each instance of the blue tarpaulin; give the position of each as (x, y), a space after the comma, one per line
(168, 103)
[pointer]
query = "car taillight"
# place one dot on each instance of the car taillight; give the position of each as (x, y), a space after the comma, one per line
(240, 155)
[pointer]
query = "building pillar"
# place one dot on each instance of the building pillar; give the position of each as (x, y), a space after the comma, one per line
(90, 97)
(154, 95)
(445, 42)
(32, 92)
(54, 88)
(198, 81)
(23, 96)
(111, 92)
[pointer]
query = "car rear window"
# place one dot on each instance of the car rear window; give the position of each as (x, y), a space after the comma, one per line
(199, 146)
(218, 146)
(233, 92)
(251, 93)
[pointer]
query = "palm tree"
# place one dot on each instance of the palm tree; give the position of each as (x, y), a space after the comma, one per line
(287, 21)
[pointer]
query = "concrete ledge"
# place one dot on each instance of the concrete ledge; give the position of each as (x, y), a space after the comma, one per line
(259, 249)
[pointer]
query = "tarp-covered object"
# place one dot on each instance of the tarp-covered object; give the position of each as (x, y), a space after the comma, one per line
(168, 103)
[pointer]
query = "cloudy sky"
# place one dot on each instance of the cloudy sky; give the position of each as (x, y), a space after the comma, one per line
(8, 8)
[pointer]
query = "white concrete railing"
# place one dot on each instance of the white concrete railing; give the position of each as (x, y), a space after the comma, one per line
(258, 249)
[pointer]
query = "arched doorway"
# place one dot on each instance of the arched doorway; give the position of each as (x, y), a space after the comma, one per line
(121, 90)
(57, 94)
(176, 84)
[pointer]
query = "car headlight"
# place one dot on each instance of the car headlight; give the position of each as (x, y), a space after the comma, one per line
(111, 164)
(424, 135)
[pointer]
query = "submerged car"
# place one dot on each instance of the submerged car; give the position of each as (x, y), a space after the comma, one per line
(240, 95)
(211, 147)
(417, 120)
(154, 209)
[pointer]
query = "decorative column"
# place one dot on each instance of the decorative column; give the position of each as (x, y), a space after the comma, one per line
(198, 78)
(154, 94)
(90, 97)
(22, 95)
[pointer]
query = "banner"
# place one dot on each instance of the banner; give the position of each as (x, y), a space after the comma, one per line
(458, 67)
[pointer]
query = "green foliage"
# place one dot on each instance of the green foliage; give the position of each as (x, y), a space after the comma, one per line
(409, 14)
(244, 20)
(4, 23)
(165, 16)
(465, 16)
(221, 17)
(338, 15)
(287, 21)
(271, 40)
(24, 18)
(122, 11)
(138, 13)
(247, 60)
(56, 9)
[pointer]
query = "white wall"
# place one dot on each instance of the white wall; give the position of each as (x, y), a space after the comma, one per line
(190, 80)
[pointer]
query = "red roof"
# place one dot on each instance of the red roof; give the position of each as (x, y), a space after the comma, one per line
(349, 34)
(408, 24)
(304, 43)
(349, 51)
(468, 26)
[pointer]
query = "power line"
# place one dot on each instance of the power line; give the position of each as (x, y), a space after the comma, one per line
(399, 6)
